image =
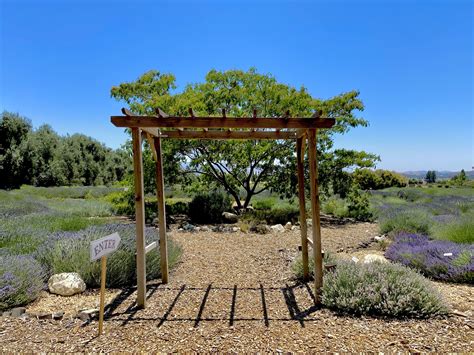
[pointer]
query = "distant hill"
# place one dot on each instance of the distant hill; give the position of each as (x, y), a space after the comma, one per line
(421, 174)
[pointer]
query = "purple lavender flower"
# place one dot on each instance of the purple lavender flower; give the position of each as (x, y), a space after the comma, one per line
(21, 280)
(438, 259)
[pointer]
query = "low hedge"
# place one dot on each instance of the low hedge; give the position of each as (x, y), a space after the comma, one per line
(380, 289)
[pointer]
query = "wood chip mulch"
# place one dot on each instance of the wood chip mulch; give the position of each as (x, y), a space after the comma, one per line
(235, 292)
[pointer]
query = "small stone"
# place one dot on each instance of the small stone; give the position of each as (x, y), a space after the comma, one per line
(44, 315)
(88, 314)
(261, 229)
(309, 222)
(379, 238)
(204, 229)
(66, 284)
(355, 259)
(288, 226)
(278, 228)
(58, 315)
(197, 229)
(230, 217)
(235, 229)
(295, 228)
(18, 311)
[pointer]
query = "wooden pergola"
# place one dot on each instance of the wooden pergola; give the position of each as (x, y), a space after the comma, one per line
(163, 126)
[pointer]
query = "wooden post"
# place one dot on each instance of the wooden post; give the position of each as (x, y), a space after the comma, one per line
(317, 252)
(160, 193)
(103, 273)
(139, 216)
(304, 228)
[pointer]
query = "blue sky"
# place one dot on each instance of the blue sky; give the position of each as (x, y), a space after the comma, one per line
(412, 62)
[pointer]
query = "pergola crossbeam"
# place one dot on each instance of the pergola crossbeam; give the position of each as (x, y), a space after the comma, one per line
(221, 122)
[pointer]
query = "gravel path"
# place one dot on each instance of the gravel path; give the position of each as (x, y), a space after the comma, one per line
(235, 292)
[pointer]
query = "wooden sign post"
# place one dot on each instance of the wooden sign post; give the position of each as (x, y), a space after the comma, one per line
(100, 248)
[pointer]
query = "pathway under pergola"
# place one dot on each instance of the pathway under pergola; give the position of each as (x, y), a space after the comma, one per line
(163, 126)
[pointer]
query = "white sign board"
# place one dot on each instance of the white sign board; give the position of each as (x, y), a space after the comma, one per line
(104, 246)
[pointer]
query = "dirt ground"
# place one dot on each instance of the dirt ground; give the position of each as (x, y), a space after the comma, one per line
(236, 292)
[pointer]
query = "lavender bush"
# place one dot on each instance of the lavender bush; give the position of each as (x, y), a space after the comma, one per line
(437, 259)
(69, 252)
(21, 280)
(380, 289)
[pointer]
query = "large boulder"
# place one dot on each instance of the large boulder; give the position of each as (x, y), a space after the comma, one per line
(230, 217)
(66, 284)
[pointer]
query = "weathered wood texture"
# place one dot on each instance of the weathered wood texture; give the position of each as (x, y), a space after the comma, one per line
(221, 122)
(160, 193)
(302, 203)
(316, 225)
(206, 134)
(139, 216)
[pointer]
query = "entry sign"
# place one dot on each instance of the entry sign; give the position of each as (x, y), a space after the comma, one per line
(104, 246)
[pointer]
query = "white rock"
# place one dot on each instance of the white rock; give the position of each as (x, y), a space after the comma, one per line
(309, 222)
(230, 217)
(354, 259)
(295, 228)
(278, 228)
(66, 284)
(379, 238)
(204, 229)
(370, 258)
(288, 226)
(235, 229)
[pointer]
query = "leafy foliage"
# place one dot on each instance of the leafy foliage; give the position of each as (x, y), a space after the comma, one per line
(430, 176)
(378, 179)
(438, 259)
(358, 206)
(380, 289)
(43, 158)
(249, 166)
(208, 208)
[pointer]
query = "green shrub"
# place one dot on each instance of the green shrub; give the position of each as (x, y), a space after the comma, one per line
(69, 252)
(335, 206)
(409, 221)
(278, 215)
(458, 231)
(368, 179)
(380, 289)
(264, 204)
(176, 207)
(358, 206)
(208, 208)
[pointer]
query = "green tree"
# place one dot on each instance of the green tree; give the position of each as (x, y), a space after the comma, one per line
(460, 178)
(14, 130)
(430, 176)
(250, 166)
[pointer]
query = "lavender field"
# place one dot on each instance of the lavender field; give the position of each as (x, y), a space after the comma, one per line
(432, 229)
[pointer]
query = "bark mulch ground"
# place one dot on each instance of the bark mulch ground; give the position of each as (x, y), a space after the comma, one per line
(235, 292)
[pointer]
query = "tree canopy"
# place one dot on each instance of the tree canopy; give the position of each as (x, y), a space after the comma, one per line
(41, 157)
(246, 168)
